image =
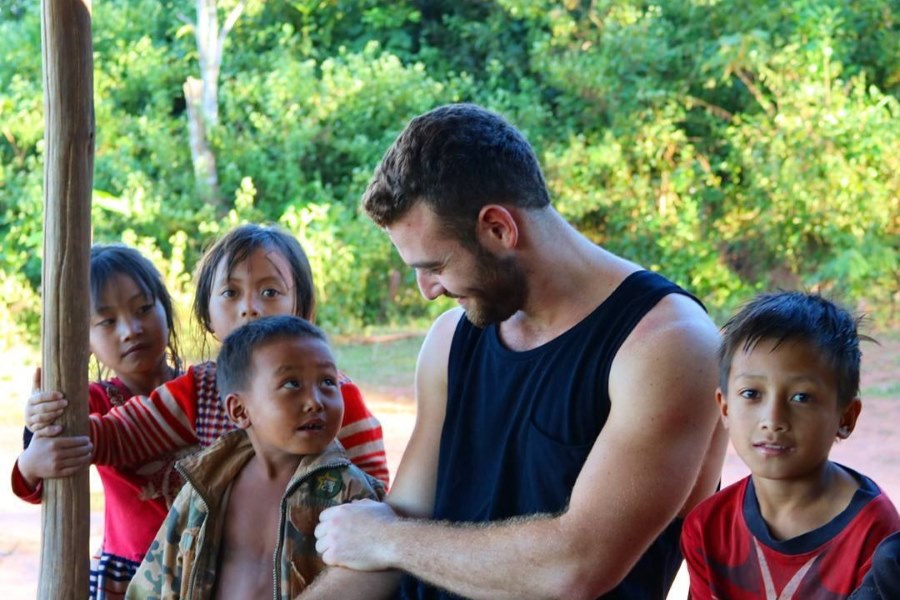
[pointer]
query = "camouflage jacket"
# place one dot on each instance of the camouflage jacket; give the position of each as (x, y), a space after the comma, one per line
(181, 561)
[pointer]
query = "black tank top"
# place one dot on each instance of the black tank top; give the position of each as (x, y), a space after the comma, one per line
(519, 425)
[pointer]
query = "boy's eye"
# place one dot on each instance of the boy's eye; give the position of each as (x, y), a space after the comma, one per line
(291, 384)
(330, 382)
(800, 397)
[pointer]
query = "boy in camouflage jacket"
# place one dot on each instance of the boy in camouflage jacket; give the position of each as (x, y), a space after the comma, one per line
(242, 525)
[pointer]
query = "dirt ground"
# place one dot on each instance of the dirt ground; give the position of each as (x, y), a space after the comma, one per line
(874, 449)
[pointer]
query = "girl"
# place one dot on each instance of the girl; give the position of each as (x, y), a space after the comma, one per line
(131, 330)
(253, 271)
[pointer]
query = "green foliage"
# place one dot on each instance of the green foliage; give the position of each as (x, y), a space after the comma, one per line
(732, 154)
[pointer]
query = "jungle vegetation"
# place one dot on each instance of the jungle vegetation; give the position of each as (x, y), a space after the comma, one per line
(733, 145)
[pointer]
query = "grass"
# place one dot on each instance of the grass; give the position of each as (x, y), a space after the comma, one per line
(384, 366)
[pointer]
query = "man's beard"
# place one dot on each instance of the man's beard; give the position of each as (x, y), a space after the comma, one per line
(499, 292)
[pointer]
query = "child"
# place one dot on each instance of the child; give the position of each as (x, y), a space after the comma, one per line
(800, 526)
(244, 520)
(251, 272)
(131, 329)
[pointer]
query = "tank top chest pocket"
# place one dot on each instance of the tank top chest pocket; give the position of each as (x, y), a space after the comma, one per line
(568, 416)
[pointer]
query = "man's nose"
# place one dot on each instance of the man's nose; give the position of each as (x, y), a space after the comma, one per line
(429, 285)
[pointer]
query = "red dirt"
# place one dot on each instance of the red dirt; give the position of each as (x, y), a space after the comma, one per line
(873, 449)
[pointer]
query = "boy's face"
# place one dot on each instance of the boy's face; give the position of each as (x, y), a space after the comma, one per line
(782, 411)
(294, 404)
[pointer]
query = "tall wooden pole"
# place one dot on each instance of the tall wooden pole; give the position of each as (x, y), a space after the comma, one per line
(68, 178)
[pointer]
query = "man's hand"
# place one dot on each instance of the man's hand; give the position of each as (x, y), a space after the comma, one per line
(348, 535)
(52, 457)
(43, 408)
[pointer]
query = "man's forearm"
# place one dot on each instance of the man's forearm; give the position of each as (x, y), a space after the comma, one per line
(516, 559)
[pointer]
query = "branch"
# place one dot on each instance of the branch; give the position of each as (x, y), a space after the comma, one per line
(755, 91)
(233, 16)
(713, 109)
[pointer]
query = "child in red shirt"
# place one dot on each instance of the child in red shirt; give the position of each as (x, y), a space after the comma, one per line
(800, 526)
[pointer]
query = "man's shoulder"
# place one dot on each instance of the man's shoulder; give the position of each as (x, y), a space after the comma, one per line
(677, 318)
(676, 335)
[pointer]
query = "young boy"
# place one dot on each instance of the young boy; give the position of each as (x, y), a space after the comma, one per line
(801, 526)
(244, 520)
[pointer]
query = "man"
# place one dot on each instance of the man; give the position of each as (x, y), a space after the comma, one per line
(566, 413)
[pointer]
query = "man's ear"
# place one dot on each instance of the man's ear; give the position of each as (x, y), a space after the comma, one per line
(497, 229)
(848, 418)
(722, 401)
(237, 410)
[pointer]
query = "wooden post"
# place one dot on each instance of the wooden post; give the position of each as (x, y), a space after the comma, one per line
(68, 178)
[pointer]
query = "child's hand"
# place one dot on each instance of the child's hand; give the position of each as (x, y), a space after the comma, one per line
(48, 457)
(43, 408)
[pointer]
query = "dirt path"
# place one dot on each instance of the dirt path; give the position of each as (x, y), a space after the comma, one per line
(874, 449)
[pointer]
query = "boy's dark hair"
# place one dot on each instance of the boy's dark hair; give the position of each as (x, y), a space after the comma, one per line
(782, 316)
(109, 260)
(456, 159)
(238, 244)
(234, 367)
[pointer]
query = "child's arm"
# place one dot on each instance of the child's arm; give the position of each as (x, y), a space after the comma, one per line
(361, 435)
(145, 428)
(48, 458)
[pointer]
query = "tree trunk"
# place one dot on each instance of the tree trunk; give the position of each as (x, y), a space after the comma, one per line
(68, 179)
(202, 96)
(206, 175)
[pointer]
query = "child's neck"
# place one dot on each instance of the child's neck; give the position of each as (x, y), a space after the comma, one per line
(141, 384)
(791, 508)
(273, 470)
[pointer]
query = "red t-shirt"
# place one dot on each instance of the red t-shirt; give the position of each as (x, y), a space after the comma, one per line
(731, 555)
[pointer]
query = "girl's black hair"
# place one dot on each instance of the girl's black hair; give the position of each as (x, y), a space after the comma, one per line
(109, 260)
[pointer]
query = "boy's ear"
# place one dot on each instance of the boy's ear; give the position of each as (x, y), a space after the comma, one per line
(723, 406)
(848, 418)
(237, 410)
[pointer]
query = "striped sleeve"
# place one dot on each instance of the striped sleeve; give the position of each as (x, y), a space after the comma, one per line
(147, 427)
(361, 435)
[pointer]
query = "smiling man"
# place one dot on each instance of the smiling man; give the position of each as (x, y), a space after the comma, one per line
(566, 411)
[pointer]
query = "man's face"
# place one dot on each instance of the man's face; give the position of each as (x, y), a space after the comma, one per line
(489, 288)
